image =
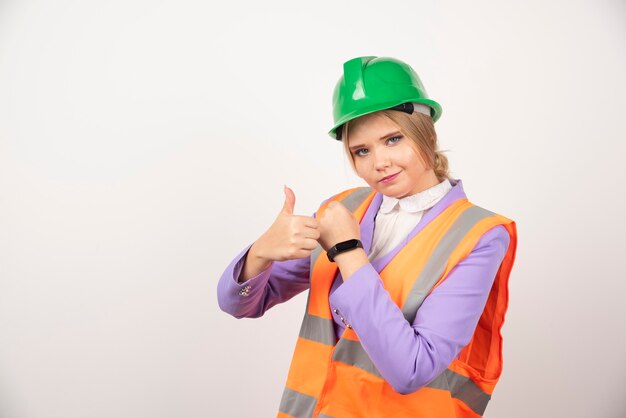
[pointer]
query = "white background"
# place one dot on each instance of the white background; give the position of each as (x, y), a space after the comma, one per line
(143, 144)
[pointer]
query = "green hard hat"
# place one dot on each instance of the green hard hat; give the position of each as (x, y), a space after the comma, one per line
(370, 84)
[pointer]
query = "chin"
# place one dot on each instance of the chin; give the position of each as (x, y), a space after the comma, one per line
(391, 193)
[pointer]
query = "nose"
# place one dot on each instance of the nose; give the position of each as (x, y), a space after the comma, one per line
(381, 160)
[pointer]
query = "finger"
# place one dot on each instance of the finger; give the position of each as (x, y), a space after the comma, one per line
(290, 201)
(302, 253)
(312, 233)
(339, 206)
(309, 244)
(308, 221)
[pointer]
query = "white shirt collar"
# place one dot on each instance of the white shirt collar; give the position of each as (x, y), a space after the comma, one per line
(417, 202)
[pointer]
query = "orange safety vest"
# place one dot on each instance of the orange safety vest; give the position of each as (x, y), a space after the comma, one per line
(330, 378)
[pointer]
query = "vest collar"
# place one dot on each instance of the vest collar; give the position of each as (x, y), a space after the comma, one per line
(367, 224)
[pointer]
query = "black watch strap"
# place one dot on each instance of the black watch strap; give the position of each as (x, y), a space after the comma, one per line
(342, 247)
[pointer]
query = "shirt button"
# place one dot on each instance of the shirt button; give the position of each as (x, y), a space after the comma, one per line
(336, 311)
(244, 290)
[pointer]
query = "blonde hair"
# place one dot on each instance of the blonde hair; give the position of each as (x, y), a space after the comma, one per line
(416, 126)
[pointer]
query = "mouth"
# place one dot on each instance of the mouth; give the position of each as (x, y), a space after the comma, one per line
(389, 179)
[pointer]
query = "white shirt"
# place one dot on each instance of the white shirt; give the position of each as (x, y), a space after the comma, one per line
(396, 218)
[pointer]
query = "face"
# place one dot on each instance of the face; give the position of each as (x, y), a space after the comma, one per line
(386, 159)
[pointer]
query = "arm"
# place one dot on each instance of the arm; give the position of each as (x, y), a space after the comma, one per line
(273, 269)
(409, 356)
(278, 283)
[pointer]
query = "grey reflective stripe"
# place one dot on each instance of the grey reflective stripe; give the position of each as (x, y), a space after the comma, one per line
(436, 263)
(354, 199)
(352, 353)
(318, 329)
(324, 416)
(297, 404)
(460, 387)
(441, 382)
(466, 390)
(314, 255)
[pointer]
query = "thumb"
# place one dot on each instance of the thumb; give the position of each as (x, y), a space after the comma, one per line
(290, 201)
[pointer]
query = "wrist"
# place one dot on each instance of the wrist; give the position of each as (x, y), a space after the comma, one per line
(258, 255)
(351, 261)
(356, 253)
(253, 265)
(343, 246)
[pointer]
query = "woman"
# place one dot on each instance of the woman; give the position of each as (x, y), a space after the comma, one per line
(408, 285)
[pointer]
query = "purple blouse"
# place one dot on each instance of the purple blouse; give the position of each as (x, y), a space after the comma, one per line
(408, 356)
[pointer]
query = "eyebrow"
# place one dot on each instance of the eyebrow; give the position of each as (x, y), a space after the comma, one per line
(389, 135)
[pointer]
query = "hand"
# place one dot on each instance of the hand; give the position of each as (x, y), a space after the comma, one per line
(337, 224)
(290, 236)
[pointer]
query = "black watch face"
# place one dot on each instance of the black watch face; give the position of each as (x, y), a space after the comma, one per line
(346, 245)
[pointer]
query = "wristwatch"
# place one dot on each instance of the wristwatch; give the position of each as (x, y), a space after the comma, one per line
(342, 247)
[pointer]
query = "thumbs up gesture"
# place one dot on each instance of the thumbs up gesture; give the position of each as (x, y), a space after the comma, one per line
(290, 236)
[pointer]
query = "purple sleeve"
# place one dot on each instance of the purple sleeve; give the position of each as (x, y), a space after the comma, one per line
(250, 299)
(411, 356)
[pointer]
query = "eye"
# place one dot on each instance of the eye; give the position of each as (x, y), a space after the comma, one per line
(394, 140)
(361, 152)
